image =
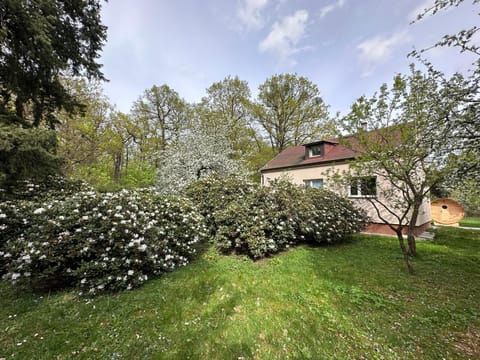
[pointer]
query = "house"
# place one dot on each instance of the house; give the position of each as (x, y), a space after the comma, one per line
(318, 165)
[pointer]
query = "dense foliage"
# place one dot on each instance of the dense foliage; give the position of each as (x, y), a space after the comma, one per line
(215, 193)
(41, 40)
(26, 153)
(98, 242)
(259, 221)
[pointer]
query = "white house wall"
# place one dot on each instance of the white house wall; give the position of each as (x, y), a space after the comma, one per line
(326, 172)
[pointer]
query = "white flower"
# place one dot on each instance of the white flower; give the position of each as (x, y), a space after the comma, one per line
(39, 211)
(15, 276)
(3, 216)
(83, 281)
(85, 217)
(130, 272)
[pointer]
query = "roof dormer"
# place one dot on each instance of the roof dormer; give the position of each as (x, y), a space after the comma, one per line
(318, 148)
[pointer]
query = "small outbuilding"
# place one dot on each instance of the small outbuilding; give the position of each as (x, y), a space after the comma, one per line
(447, 212)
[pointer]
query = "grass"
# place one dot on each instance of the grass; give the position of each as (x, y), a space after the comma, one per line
(353, 300)
(470, 222)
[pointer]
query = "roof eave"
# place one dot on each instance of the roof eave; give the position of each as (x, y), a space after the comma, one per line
(306, 165)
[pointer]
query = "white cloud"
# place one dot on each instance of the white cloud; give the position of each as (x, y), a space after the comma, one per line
(284, 37)
(379, 49)
(426, 4)
(331, 7)
(250, 13)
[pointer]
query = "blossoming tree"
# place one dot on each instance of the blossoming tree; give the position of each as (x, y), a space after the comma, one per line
(197, 154)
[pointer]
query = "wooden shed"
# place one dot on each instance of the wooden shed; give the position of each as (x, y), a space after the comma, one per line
(447, 212)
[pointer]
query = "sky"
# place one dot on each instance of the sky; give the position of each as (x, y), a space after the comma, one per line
(348, 48)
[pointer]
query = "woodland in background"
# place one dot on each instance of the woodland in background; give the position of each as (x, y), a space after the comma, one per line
(110, 149)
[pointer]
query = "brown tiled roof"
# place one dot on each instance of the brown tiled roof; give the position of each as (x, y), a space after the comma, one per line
(294, 156)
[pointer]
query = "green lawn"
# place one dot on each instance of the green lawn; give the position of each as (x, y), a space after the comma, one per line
(470, 222)
(352, 301)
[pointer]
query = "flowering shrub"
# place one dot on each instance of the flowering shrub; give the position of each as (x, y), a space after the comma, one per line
(52, 187)
(215, 193)
(329, 218)
(259, 221)
(262, 223)
(100, 242)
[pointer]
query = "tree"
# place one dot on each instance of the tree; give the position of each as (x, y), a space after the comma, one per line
(406, 144)
(290, 110)
(468, 194)
(27, 154)
(462, 39)
(40, 42)
(197, 154)
(81, 136)
(97, 144)
(160, 117)
(227, 104)
(465, 122)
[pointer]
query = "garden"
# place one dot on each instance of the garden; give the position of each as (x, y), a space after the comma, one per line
(65, 234)
(227, 269)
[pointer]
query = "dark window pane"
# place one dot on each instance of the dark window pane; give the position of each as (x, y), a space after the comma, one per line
(317, 150)
(369, 186)
(354, 187)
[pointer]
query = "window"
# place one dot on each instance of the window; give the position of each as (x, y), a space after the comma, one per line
(363, 187)
(316, 150)
(314, 183)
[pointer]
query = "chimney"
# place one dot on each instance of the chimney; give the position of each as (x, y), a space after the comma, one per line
(363, 125)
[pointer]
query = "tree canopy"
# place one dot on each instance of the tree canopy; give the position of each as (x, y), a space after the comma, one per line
(40, 42)
(160, 118)
(291, 111)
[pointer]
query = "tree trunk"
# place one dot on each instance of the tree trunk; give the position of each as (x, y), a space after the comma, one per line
(117, 162)
(405, 252)
(412, 245)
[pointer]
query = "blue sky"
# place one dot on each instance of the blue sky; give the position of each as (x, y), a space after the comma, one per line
(348, 48)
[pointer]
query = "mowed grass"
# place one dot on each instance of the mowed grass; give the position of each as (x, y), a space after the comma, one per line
(470, 222)
(349, 301)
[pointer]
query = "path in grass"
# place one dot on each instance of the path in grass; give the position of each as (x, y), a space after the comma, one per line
(349, 301)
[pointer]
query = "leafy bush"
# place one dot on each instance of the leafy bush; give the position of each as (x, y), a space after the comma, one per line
(215, 193)
(19, 200)
(329, 218)
(51, 187)
(258, 225)
(259, 221)
(99, 242)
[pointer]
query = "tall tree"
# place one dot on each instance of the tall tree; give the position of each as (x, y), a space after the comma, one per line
(228, 105)
(160, 115)
(407, 146)
(290, 110)
(40, 42)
